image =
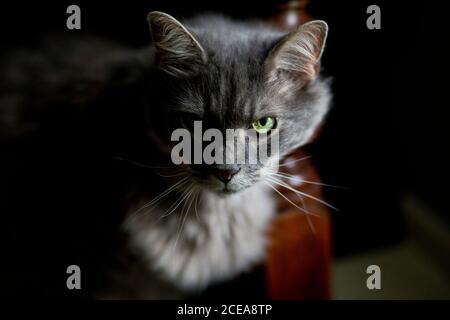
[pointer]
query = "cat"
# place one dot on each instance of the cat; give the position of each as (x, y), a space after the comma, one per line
(227, 74)
(191, 226)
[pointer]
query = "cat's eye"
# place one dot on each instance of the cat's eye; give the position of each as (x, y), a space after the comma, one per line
(264, 125)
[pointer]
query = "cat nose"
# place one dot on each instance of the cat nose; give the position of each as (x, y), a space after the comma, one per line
(225, 175)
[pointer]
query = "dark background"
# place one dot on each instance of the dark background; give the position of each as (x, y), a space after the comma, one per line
(386, 135)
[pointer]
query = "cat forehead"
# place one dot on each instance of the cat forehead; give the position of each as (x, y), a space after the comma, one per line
(231, 52)
(232, 80)
(227, 39)
(220, 96)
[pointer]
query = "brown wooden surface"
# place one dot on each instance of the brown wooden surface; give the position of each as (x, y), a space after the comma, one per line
(299, 256)
(291, 14)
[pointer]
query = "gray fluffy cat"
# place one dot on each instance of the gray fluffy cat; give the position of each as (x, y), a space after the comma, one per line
(198, 224)
(228, 75)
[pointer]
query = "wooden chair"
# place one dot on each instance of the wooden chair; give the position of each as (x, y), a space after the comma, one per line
(298, 263)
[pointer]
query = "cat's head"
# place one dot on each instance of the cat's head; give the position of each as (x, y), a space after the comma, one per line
(236, 76)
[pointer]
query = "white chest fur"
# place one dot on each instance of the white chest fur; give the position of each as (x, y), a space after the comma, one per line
(223, 238)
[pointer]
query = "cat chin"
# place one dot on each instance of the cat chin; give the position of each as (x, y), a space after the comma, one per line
(213, 186)
(226, 191)
(223, 192)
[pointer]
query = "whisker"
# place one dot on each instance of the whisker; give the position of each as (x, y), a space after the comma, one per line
(165, 193)
(308, 218)
(197, 200)
(302, 193)
(287, 199)
(162, 195)
(325, 184)
(293, 177)
(185, 201)
(291, 162)
(296, 178)
(184, 219)
(302, 200)
(140, 164)
(171, 175)
(177, 203)
(273, 173)
(290, 177)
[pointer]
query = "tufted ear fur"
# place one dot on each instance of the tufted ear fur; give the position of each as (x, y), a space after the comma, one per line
(177, 51)
(296, 57)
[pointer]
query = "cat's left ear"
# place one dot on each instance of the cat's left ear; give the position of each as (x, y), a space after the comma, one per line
(296, 58)
(177, 51)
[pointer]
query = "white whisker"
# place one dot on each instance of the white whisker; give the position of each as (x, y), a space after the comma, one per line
(184, 219)
(197, 200)
(287, 199)
(302, 193)
(308, 218)
(165, 193)
(161, 195)
(142, 165)
(273, 173)
(171, 175)
(177, 203)
(301, 180)
(291, 162)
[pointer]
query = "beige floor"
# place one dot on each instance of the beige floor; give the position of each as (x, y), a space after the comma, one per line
(406, 273)
(418, 268)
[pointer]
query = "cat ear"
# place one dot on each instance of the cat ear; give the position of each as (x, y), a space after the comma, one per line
(177, 51)
(297, 56)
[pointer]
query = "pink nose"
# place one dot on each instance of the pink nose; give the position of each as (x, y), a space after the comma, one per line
(225, 175)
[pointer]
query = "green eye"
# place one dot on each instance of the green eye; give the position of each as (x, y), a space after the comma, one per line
(264, 125)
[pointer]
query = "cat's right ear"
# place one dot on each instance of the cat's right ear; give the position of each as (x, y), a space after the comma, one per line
(296, 58)
(178, 53)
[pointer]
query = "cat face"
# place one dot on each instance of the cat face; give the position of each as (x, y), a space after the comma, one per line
(234, 76)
